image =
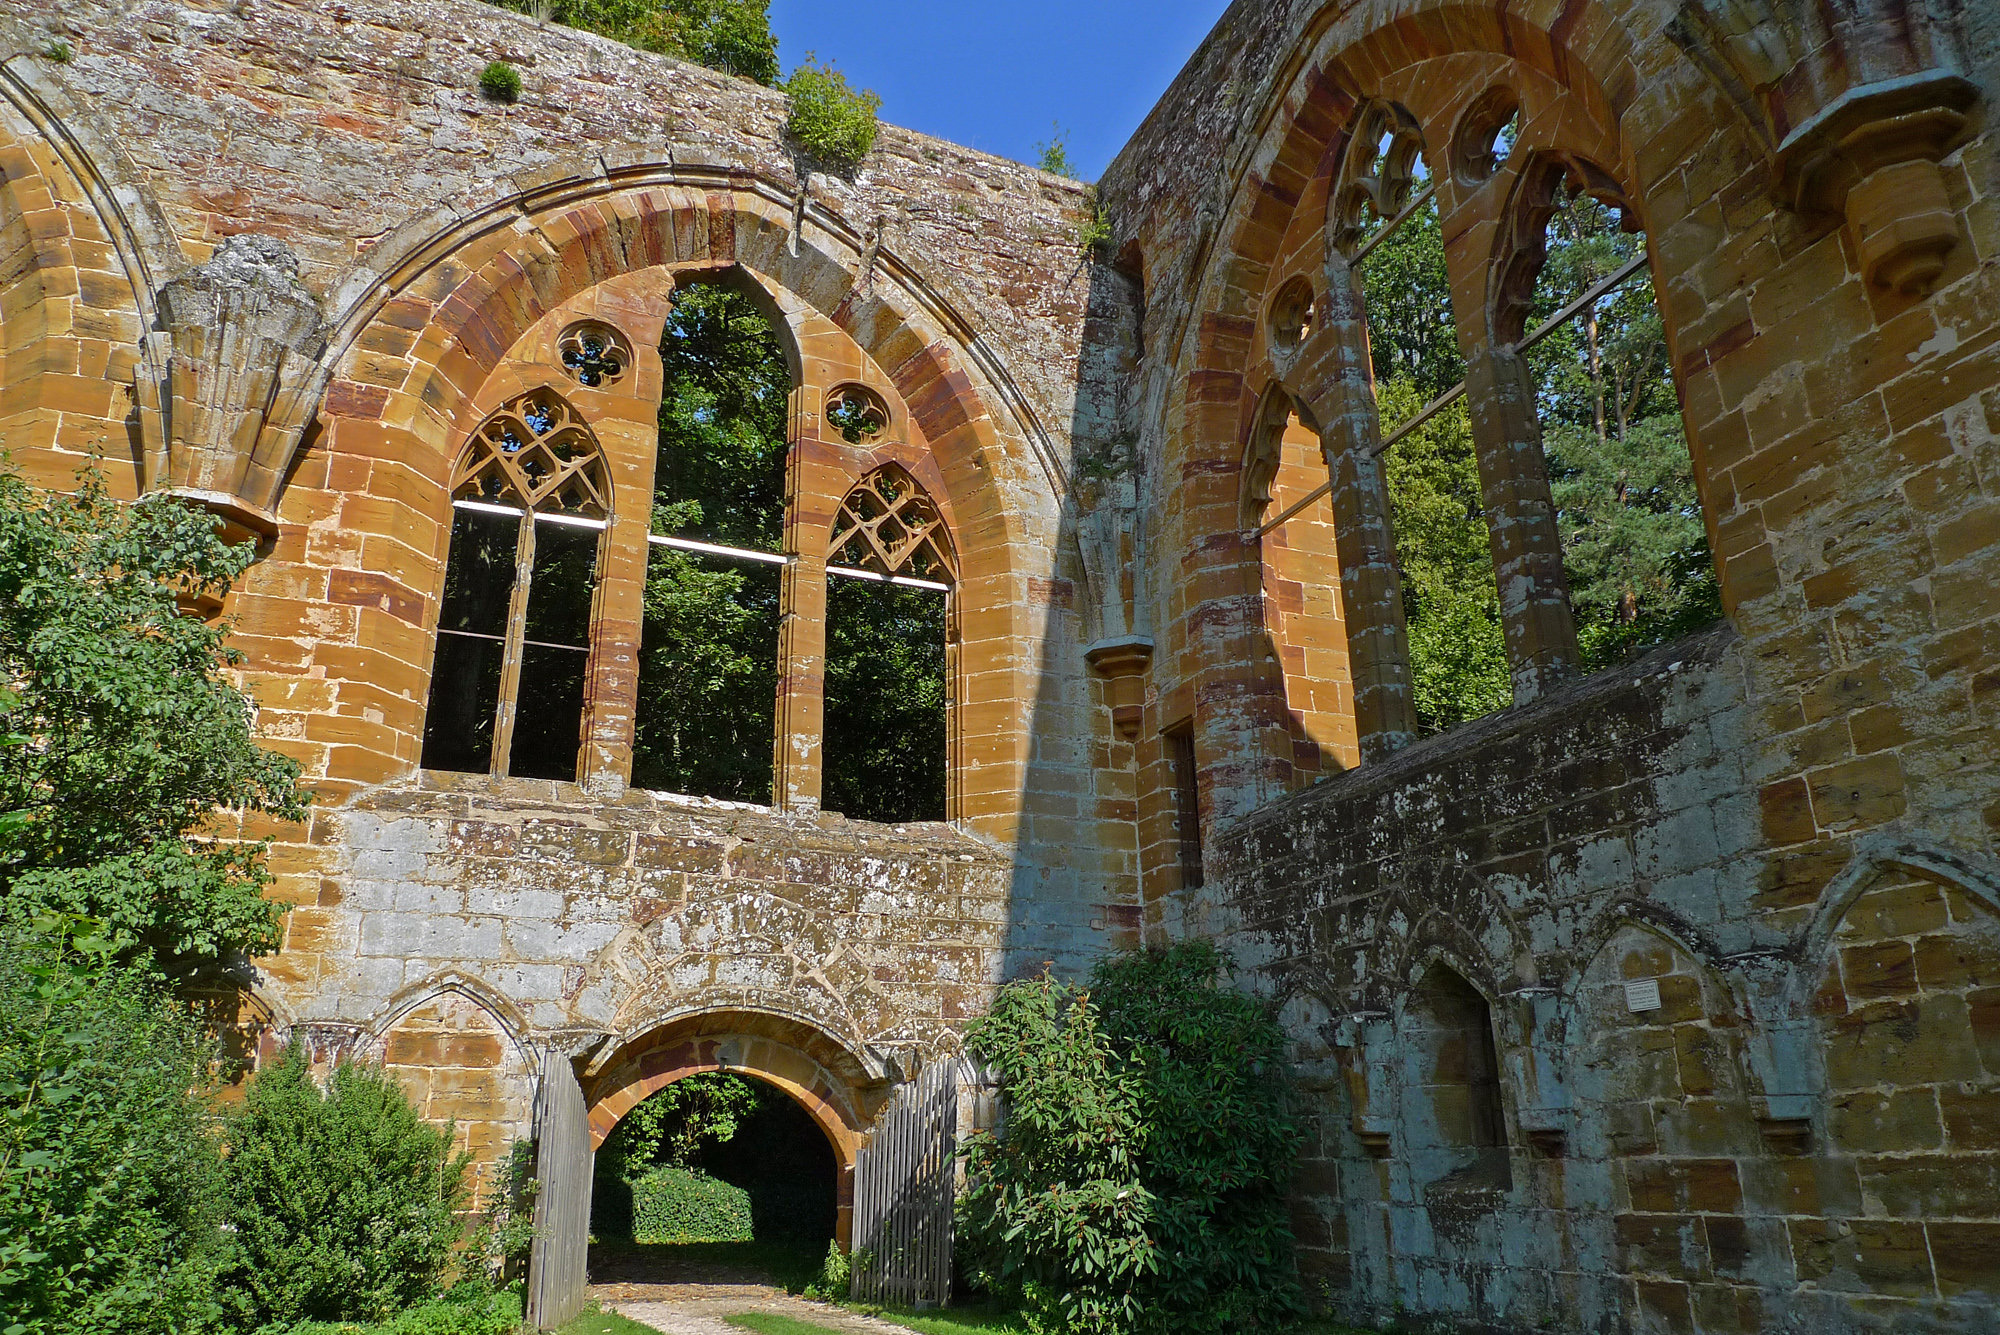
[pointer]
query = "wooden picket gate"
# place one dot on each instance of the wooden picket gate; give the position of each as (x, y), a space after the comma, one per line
(563, 1163)
(903, 1186)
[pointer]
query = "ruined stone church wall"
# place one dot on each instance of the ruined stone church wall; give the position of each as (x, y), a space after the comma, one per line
(1715, 1046)
(415, 241)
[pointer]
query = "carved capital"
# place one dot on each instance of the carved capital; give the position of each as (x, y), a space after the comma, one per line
(1123, 664)
(231, 381)
(1871, 158)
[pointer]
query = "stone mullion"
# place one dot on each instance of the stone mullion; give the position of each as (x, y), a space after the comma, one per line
(814, 486)
(1514, 488)
(510, 661)
(1371, 585)
(617, 622)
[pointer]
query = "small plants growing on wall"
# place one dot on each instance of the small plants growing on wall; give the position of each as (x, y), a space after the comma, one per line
(830, 121)
(1137, 1181)
(500, 81)
(59, 51)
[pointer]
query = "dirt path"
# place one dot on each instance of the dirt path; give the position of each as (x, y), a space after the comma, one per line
(699, 1309)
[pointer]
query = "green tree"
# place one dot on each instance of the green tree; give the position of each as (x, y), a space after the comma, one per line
(344, 1200)
(885, 702)
(829, 120)
(733, 36)
(1138, 1179)
(1451, 602)
(120, 735)
(1634, 546)
(674, 1125)
(1054, 1211)
(111, 1196)
(709, 648)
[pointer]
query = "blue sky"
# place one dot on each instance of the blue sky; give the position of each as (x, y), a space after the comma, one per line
(995, 76)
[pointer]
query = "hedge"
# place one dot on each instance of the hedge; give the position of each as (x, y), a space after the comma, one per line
(675, 1205)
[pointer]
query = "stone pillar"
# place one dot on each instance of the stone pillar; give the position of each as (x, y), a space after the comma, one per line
(1520, 518)
(1336, 382)
(815, 484)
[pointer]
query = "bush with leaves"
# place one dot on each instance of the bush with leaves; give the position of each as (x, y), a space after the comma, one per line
(111, 1196)
(119, 736)
(1055, 1215)
(1138, 1180)
(344, 1200)
(829, 120)
(733, 36)
(467, 1309)
(683, 1205)
(1222, 1137)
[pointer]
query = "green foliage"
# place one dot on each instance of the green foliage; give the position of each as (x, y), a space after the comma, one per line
(680, 1205)
(1451, 602)
(118, 734)
(733, 36)
(885, 702)
(829, 120)
(111, 1196)
(1138, 1182)
(1055, 1214)
(1633, 541)
(1053, 156)
(500, 81)
(1093, 233)
(709, 651)
(672, 1126)
(467, 1309)
(344, 1200)
(58, 51)
(1411, 335)
(835, 1279)
(1215, 1093)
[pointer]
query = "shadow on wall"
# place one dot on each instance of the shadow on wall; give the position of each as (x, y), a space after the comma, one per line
(1075, 884)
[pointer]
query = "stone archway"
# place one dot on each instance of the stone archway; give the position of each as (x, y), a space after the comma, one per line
(818, 1073)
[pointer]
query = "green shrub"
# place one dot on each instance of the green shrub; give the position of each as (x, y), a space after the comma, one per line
(678, 1205)
(110, 1191)
(469, 1309)
(1055, 1216)
(59, 51)
(344, 1201)
(500, 81)
(1138, 1182)
(835, 1280)
(829, 120)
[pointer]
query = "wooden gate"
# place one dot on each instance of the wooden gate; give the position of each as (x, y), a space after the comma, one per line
(563, 1163)
(903, 1186)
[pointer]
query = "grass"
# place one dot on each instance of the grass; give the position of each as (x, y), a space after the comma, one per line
(772, 1323)
(955, 1321)
(605, 1323)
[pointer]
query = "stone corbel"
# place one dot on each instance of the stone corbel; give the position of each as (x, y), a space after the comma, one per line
(230, 381)
(1367, 1044)
(1123, 664)
(1542, 1096)
(1871, 158)
(1781, 1051)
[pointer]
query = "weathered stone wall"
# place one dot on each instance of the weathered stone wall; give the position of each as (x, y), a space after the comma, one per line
(1790, 827)
(412, 250)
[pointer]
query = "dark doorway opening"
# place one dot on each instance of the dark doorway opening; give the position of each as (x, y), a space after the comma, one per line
(718, 1177)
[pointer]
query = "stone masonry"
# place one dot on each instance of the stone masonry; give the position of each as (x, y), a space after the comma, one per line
(1667, 999)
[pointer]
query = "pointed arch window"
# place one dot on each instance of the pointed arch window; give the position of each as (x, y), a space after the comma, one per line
(889, 644)
(531, 499)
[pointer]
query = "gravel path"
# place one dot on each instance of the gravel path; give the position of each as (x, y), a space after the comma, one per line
(699, 1309)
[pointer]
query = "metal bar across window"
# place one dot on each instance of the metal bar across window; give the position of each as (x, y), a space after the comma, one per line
(1423, 197)
(716, 549)
(515, 512)
(501, 639)
(1596, 292)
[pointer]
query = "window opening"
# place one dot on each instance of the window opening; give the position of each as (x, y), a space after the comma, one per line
(530, 498)
(1187, 801)
(1635, 550)
(594, 354)
(887, 672)
(708, 663)
(857, 413)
